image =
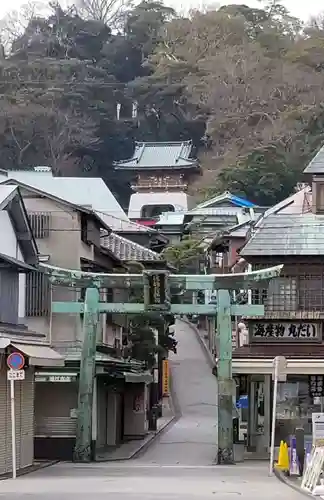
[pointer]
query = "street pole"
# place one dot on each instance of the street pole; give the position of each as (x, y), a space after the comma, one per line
(274, 414)
(225, 453)
(82, 451)
(13, 429)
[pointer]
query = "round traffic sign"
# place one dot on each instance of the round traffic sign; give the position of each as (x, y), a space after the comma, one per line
(15, 361)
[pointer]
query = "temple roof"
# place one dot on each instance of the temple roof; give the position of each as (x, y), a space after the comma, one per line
(159, 155)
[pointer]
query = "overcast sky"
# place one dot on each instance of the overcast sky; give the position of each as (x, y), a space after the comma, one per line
(300, 8)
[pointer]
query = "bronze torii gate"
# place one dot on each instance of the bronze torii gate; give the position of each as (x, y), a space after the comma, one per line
(157, 285)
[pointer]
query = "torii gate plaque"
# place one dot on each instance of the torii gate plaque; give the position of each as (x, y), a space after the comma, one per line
(157, 285)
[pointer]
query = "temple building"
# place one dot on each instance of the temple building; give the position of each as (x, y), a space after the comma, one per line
(163, 172)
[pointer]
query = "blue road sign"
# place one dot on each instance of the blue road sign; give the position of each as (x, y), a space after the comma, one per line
(243, 402)
(16, 361)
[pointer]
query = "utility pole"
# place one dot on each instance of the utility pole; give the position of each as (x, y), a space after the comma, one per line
(82, 451)
(225, 453)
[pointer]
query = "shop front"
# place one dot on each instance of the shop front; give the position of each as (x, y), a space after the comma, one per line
(300, 395)
(119, 411)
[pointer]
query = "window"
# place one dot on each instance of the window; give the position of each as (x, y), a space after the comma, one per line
(311, 292)
(40, 224)
(84, 229)
(149, 211)
(37, 295)
(282, 295)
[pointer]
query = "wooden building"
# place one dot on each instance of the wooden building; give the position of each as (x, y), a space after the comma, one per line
(294, 312)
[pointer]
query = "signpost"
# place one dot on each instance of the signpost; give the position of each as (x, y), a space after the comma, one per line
(15, 363)
(279, 375)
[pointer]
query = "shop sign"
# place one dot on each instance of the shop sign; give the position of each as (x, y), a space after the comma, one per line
(316, 386)
(39, 377)
(285, 331)
(165, 377)
(318, 429)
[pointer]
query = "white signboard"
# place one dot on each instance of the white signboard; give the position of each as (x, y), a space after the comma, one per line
(16, 374)
(285, 331)
(279, 368)
(318, 429)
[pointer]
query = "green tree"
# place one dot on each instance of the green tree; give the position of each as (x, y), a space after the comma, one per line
(186, 255)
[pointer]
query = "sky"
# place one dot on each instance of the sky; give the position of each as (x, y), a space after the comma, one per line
(299, 8)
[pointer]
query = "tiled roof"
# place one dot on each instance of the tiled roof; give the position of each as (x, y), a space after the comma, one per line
(154, 155)
(127, 250)
(287, 234)
(269, 350)
(316, 165)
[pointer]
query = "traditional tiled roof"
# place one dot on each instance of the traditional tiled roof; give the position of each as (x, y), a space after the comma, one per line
(157, 155)
(287, 234)
(127, 250)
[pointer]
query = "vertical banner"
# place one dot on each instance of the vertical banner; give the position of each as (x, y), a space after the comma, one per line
(165, 377)
(293, 459)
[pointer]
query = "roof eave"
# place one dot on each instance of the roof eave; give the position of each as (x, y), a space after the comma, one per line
(25, 237)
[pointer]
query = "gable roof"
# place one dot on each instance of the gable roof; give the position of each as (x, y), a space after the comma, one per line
(119, 225)
(226, 196)
(287, 234)
(79, 208)
(127, 250)
(316, 165)
(11, 200)
(157, 155)
(88, 191)
(294, 204)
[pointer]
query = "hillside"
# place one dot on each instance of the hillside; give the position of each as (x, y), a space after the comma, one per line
(245, 85)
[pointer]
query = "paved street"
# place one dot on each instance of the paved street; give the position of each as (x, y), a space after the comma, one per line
(178, 466)
(192, 440)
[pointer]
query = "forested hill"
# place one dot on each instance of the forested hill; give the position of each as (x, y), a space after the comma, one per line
(78, 87)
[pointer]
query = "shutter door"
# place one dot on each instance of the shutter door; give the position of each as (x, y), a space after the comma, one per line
(5, 431)
(26, 427)
(53, 404)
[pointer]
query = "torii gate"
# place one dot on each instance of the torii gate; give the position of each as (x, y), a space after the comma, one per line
(156, 285)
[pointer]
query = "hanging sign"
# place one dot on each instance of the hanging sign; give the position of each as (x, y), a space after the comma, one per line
(165, 377)
(316, 386)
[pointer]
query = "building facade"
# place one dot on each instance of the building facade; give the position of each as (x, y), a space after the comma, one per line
(289, 234)
(71, 236)
(18, 256)
(163, 171)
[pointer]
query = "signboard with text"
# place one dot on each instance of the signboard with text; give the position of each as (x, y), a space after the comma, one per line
(156, 296)
(284, 331)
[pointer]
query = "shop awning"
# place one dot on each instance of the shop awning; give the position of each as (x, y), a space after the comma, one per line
(138, 378)
(40, 355)
(265, 366)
